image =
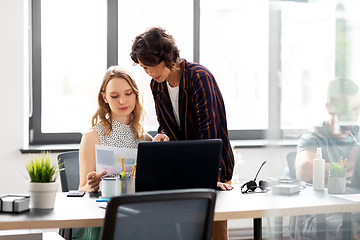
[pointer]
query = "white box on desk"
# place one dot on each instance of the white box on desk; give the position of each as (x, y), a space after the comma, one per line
(285, 189)
(14, 203)
(21, 234)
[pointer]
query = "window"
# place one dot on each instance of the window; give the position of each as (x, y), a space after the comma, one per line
(145, 14)
(72, 43)
(307, 62)
(272, 59)
(234, 42)
(319, 42)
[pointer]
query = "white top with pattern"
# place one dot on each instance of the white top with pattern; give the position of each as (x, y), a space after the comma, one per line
(121, 136)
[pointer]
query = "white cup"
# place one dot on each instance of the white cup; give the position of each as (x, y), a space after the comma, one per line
(108, 187)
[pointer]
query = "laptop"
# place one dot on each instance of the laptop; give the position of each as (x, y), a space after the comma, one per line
(355, 179)
(178, 165)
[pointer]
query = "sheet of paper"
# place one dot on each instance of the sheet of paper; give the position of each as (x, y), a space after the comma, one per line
(351, 197)
(109, 159)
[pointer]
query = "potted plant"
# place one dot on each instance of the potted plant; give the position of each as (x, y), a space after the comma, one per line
(337, 178)
(43, 184)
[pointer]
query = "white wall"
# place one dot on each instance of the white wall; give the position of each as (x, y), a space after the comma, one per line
(13, 68)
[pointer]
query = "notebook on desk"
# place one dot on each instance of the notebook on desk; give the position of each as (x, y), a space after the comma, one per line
(178, 165)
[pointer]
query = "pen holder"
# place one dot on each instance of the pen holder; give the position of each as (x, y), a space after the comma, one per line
(126, 186)
(337, 180)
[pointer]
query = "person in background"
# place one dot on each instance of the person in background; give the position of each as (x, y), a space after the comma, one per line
(338, 138)
(188, 101)
(118, 122)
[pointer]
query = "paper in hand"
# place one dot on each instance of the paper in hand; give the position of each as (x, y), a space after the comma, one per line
(109, 159)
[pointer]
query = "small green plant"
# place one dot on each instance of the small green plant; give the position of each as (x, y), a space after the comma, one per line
(40, 168)
(337, 170)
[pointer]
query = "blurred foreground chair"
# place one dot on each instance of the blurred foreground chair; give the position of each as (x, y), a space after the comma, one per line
(178, 214)
(69, 177)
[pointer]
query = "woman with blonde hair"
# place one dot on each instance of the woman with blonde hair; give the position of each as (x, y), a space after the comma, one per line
(118, 122)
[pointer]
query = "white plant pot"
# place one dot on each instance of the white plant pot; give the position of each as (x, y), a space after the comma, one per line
(337, 185)
(43, 195)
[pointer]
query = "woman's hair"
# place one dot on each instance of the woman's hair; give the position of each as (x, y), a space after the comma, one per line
(154, 46)
(103, 112)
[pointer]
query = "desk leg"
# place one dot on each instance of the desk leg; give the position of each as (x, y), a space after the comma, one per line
(257, 229)
(347, 228)
(278, 228)
(320, 226)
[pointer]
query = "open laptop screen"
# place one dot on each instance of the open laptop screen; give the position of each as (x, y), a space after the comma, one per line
(355, 179)
(178, 165)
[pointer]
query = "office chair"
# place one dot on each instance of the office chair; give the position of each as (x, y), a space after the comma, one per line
(177, 214)
(69, 175)
(290, 157)
(69, 178)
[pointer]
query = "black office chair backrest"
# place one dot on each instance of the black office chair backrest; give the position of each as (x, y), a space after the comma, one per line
(177, 214)
(290, 157)
(69, 175)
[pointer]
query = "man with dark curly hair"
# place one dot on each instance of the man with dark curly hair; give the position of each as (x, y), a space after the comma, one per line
(188, 101)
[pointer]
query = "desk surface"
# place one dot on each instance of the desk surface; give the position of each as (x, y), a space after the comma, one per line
(235, 205)
(68, 212)
(77, 212)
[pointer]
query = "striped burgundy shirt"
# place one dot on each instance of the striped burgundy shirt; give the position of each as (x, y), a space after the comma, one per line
(201, 111)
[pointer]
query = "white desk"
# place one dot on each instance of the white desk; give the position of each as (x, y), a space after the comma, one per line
(69, 212)
(235, 205)
(74, 212)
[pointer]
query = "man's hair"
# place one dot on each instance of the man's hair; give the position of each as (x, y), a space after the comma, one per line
(340, 87)
(154, 46)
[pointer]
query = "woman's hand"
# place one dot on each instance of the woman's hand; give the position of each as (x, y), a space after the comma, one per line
(224, 186)
(161, 138)
(93, 180)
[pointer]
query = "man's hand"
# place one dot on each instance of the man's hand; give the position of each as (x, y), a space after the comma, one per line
(161, 138)
(224, 186)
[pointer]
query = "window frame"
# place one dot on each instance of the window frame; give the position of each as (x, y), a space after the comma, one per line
(36, 137)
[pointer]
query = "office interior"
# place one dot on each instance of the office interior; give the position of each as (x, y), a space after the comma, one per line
(272, 94)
